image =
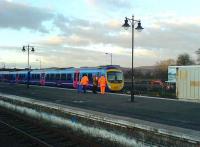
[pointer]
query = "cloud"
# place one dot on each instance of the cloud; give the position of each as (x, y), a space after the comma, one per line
(81, 32)
(145, 53)
(166, 35)
(166, 38)
(18, 16)
(173, 36)
(51, 41)
(113, 4)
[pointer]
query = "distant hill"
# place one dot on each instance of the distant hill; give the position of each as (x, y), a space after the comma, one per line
(143, 69)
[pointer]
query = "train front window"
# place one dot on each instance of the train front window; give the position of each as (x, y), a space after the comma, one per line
(114, 77)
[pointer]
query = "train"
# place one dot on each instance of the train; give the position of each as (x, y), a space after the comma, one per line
(66, 77)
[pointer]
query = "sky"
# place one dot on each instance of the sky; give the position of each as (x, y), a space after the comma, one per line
(78, 33)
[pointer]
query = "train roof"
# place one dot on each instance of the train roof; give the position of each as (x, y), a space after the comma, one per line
(4, 72)
(103, 67)
(52, 70)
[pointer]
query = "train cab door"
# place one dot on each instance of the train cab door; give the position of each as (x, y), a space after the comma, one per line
(76, 79)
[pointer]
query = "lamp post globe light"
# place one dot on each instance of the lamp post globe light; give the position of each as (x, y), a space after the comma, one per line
(28, 47)
(138, 28)
(110, 57)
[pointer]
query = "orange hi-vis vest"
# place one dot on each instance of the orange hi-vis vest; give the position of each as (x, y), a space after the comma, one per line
(84, 80)
(102, 81)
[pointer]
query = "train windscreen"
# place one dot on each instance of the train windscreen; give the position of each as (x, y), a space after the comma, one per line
(114, 77)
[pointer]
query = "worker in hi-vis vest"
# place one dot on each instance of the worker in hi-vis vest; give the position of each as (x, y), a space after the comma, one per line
(102, 83)
(84, 82)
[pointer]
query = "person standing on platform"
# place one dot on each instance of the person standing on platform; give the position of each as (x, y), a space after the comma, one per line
(84, 82)
(102, 82)
(95, 84)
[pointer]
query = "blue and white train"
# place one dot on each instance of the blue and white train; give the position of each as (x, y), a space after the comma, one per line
(68, 77)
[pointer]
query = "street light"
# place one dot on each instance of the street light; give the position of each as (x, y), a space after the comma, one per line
(28, 47)
(138, 28)
(110, 57)
(40, 62)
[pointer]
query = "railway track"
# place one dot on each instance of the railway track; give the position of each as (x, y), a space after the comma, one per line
(20, 132)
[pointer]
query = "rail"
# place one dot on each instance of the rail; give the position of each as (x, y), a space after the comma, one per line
(32, 134)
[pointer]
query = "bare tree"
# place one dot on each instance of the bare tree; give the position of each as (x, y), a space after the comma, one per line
(161, 70)
(184, 59)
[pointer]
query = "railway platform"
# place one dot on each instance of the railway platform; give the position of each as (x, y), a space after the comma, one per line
(149, 120)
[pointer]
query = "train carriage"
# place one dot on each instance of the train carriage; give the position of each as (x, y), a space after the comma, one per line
(58, 77)
(21, 76)
(4, 76)
(68, 77)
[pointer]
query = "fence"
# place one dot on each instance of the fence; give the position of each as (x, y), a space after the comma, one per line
(148, 89)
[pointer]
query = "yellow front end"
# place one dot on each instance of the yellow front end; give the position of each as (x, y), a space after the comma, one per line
(115, 80)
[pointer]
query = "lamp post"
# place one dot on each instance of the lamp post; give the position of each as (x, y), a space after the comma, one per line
(138, 28)
(28, 47)
(110, 57)
(40, 62)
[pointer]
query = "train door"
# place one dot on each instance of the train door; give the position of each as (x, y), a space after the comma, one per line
(42, 79)
(76, 79)
(17, 78)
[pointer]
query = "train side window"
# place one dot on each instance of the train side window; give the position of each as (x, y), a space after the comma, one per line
(83, 74)
(57, 77)
(69, 77)
(90, 76)
(47, 77)
(32, 76)
(54, 76)
(63, 76)
(37, 76)
(51, 76)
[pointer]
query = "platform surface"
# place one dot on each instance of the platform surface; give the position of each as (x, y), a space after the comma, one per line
(163, 111)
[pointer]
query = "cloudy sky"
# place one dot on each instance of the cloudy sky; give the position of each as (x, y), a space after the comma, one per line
(80, 32)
